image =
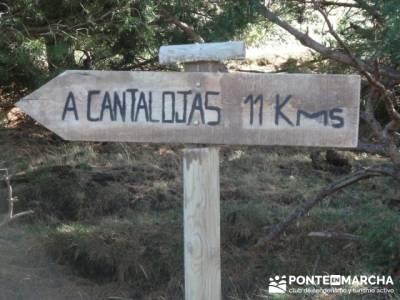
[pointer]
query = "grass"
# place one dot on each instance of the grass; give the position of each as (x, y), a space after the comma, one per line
(141, 254)
(113, 214)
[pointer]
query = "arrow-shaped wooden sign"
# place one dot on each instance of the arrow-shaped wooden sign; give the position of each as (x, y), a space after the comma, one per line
(206, 108)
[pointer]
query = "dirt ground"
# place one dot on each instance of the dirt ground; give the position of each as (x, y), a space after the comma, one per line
(27, 273)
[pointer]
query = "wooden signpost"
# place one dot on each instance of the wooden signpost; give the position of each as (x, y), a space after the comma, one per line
(203, 105)
(199, 107)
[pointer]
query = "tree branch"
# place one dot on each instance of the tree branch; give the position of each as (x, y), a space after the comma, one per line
(140, 64)
(334, 235)
(369, 116)
(335, 186)
(11, 200)
(371, 10)
(371, 148)
(194, 36)
(341, 4)
(389, 99)
(337, 55)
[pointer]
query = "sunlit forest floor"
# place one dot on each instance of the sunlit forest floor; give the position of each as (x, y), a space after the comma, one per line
(108, 219)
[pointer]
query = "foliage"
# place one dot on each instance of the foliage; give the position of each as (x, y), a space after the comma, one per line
(382, 238)
(373, 31)
(39, 39)
(369, 27)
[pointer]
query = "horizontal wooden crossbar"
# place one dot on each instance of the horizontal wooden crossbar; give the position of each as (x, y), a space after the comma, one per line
(202, 52)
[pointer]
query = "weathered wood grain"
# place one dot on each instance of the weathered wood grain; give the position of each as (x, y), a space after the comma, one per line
(202, 52)
(197, 280)
(202, 224)
(298, 109)
(204, 66)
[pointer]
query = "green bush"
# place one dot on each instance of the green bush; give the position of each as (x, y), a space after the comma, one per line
(381, 235)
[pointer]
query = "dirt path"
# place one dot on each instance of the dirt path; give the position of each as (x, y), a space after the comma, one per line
(27, 273)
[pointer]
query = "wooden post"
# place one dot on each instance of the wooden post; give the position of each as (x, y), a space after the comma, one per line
(201, 212)
(202, 224)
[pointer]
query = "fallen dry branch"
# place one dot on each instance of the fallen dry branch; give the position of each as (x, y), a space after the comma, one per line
(334, 235)
(11, 200)
(382, 170)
